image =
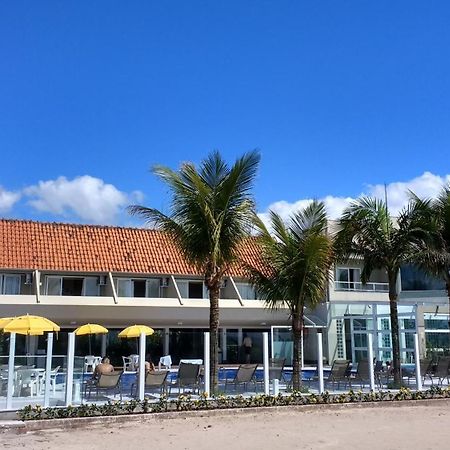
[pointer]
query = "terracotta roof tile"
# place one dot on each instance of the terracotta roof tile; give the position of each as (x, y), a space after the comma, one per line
(29, 245)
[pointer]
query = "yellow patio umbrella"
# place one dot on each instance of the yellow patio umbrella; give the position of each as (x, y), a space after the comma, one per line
(90, 328)
(30, 325)
(134, 331)
(4, 321)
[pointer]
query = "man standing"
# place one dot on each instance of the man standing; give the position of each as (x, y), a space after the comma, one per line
(247, 343)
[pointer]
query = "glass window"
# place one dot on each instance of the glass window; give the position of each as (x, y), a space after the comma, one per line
(192, 289)
(54, 285)
(246, 291)
(438, 322)
(415, 279)
(195, 289)
(348, 278)
(124, 288)
(153, 287)
(90, 286)
(139, 288)
(72, 286)
(360, 340)
(11, 284)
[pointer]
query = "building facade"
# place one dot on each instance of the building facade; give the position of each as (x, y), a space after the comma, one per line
(77, 274)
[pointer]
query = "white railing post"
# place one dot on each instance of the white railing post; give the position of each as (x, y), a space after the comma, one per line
(70, 364)
(12, 354)
(141, 368)
(370, 360)
(417, 359)
(48, 369)
(266, 362)
(207, 375)
(320, 361)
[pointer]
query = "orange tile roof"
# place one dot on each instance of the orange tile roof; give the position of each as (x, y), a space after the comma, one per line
(29, 245)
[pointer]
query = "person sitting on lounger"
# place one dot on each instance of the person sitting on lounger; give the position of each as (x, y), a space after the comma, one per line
(149, 366)
(104, 367)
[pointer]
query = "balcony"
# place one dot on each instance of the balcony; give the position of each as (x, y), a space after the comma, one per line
(360, 287)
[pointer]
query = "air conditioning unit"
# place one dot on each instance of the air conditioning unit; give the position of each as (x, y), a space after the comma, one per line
(102, 280)
(28, 279)
(164, 282)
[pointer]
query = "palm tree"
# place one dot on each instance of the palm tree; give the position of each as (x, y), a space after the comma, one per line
(435, 257)
(211, 213)
(367, 232)
(296, 261)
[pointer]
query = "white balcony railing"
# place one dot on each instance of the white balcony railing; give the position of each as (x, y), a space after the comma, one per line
(358, 286)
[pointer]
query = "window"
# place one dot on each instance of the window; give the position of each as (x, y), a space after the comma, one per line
(10, 284)
(192, 289)
(138, 288)
(72, 286)
(348, 278)
(246, 291)
(415, 279)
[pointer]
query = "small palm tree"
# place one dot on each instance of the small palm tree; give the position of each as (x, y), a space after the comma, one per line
(296, 261)
(211, 213)
(367, 232)
(435, 257)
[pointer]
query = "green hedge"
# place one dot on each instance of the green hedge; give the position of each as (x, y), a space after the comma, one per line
(187, 403)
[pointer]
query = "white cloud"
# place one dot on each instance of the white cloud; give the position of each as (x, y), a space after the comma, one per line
(427, 185)
(7, 199)
(89, 198)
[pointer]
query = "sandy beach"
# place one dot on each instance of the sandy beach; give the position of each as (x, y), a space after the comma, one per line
(421, 426)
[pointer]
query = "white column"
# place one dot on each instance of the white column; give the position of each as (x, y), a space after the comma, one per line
(70, 364)
(142, 366)
(12, 354)
(48, 369)
(207, 375)
(417, 358)
(320, 362)
(370, 358)
(266, 362)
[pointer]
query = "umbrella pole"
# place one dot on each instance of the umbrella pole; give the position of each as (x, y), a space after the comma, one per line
(90, 350)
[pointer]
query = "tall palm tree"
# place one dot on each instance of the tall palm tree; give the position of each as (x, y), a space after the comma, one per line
(296, 260)
(211, 213)
(368, 232)
(435, 257)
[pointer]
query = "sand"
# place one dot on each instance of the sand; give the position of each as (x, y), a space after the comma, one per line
(421, 426)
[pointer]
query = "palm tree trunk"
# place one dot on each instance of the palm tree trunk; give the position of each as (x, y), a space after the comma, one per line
(394, 328)
(297, 326)
(214, 294)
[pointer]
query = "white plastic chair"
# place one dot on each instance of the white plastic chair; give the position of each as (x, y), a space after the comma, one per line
(127, 364)
(165, 361)
(89, 363)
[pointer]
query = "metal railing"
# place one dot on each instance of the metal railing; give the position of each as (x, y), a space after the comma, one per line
(358, 286)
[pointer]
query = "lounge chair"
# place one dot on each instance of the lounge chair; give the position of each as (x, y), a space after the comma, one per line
(442, 367)
(362, 374)
(155, 380)
(425, 370)
(276, 366)
(188, 377)
(339, 373)
(107, 382)
(244, 375)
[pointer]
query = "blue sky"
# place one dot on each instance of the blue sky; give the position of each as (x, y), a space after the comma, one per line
(339, 96)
